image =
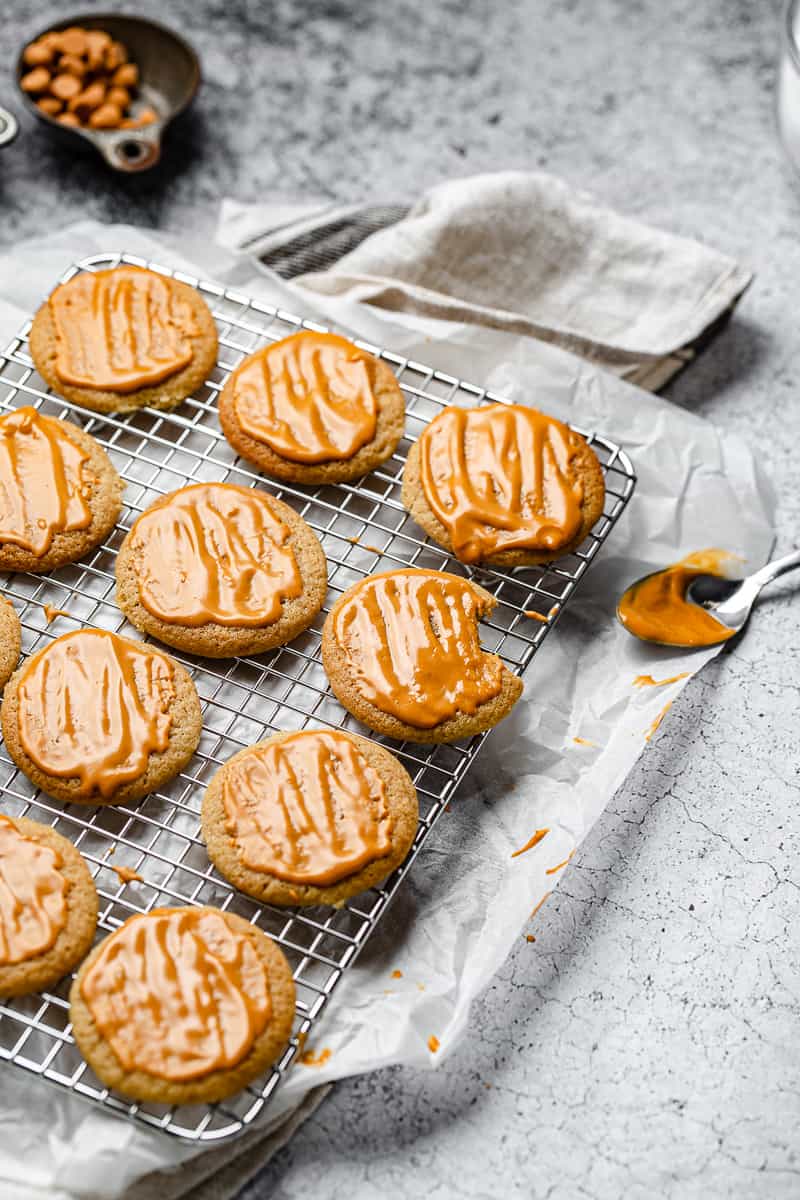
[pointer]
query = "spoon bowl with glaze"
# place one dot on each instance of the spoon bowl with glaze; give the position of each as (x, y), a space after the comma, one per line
(686, 608)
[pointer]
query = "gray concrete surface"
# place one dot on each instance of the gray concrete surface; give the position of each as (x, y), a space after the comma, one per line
(647, 1043)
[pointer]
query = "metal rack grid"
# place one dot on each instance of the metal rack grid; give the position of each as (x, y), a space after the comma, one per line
(363, 528)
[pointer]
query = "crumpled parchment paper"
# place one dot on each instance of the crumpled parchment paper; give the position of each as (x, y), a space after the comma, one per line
(467, 899)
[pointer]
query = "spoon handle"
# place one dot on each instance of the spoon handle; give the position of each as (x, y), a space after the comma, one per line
(777, 567)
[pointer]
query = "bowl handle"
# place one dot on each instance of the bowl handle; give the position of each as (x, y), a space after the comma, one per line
(9, 127)
(130, 150)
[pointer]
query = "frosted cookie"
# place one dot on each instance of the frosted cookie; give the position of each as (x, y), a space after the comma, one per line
(403, 655)
(10, 640)
(182, 1006)
(97, 719)
(48, 907)
(309, 818)
(123, 339)
(313, 408)
(59, 494)
(504, 485)
(220, 570)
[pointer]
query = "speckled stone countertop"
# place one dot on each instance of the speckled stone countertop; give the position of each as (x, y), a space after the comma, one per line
(648, 1042)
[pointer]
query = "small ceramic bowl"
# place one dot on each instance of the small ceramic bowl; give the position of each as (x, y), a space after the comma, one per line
(169, 76)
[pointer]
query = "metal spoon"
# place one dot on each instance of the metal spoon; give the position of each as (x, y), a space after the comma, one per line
(731, 600)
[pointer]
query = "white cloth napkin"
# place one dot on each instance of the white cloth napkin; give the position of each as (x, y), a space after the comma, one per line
(448, 931)
(522, 252)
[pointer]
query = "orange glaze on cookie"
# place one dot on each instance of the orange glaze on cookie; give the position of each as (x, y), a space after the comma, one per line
(95, 706)
(33, 896)
(308, 809)
(656, 609)
(120, 330)
(214, 552)
(500, 478)
(42, 484)
(310, 397)
(178, 994)
(411, 638)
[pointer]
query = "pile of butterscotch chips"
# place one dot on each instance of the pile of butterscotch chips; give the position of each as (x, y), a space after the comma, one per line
(83, 77)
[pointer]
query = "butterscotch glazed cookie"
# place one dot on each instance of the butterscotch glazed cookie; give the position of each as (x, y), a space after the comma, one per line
(182, 1006)
(123, 339)
(313, 408)
(309, 818)
(403, 655)
(97, 719)
(48, 906)
(10, 640)
(59, 494)
(220, 570)
(504, 485)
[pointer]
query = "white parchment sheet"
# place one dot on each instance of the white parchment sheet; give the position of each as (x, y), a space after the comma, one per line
(467, 899)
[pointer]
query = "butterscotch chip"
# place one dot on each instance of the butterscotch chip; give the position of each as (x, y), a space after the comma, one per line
(107, 116)
(119, 96)
(97, 42)
(94, 718)
(97, 39)
(37, 55)
(258, 576)
(72, 65)
(203, 1009)
(197, 331)
(10, 640)
(115, 56)
(88, 100)
(49, 105)
(36, 80)
(73, 42)
(359, 817)
(54, 906)
(146, 117)
(44, 530)
(402, 654)
(65, 86)
(68, 118)
(126, 76)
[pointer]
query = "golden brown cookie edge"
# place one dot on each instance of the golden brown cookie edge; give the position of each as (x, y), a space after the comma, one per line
(75, 939)
(104, 501)
(454, 729)
(165, 395)
(388, 433)
(225, 641)
(222, 847)
(416, 504)
(139, 1085)
(162, 766)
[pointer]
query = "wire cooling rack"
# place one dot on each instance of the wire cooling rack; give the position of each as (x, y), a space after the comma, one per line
(363, 528)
